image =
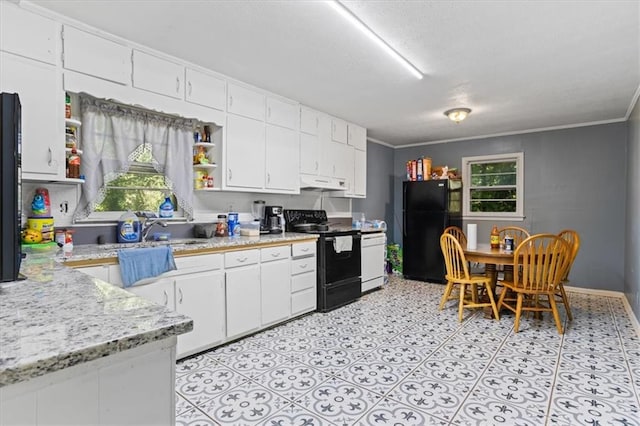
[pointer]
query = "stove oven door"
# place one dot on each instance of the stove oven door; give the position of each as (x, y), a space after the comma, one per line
(340, 266)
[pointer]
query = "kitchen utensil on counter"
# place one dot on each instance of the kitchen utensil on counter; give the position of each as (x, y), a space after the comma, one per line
(272, 221)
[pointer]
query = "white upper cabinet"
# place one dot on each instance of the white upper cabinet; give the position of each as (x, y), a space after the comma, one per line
(27, 34)
(245, 154)
(360, 173)
(157, 75)
(357, 137)
(282, 113)
(96, 56)
(339, 130)
(245, 102)
(40, 90)
(326, 149)
(281, 159)
(309, 154)
(206, 90)
(309, 120)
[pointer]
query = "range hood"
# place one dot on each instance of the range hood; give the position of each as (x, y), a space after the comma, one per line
(322, 183)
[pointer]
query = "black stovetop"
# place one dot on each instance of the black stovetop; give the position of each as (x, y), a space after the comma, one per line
(318, 220)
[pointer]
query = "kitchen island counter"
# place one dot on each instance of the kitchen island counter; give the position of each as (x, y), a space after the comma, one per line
(59, 317)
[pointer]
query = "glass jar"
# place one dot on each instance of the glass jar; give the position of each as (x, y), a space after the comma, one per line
(222, 229)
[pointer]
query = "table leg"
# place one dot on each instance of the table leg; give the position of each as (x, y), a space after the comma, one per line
(490, 271)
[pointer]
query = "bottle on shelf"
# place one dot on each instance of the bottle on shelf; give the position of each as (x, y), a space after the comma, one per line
(73, 162)
(495, 237)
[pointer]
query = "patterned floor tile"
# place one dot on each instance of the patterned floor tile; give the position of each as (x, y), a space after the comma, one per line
(389, 412)
(291, 379)
(294, 415)
(246, 404)
(338, 401)
(393, 358)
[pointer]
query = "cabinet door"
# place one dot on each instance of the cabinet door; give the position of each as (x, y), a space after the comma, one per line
(96, 56)
(325, 154)
(341, 159)
(200, 296)
(338, 130)
(245, 102)
(282, 113)
(27, 34)
(309, 120)
(41, 98)
(282, 154)
(275, 291)
(245, 152)
(360, 173)
(357, 137)
(243, 300)
(204, 89)
(160, 292)
(100, 271)
(309, 161)
(157, 75)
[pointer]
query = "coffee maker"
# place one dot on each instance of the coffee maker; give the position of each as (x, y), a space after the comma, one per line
(272, 220)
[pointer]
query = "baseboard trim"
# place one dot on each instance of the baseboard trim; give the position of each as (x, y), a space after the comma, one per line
(610, 293)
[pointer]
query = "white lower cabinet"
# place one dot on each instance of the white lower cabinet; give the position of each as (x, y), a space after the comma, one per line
(303, 278)
(242, 271)
(105, 391)
(275, 279)
(229, 295)
(201, 297)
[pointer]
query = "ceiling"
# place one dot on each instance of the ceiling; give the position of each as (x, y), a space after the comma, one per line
(519, 65)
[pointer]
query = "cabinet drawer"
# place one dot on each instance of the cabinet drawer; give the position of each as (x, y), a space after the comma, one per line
(303, 302)
(305, 264)
(274, 253)
(241, 258)
(303, 282)
(205, 262)
(303, 249)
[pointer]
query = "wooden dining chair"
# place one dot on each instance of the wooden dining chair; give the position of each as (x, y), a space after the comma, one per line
(542, 261)
(457, 274)
(458, 233)
(518, 234)
(573, 238)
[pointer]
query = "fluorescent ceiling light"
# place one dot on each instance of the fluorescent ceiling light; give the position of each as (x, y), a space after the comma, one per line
(338, 7)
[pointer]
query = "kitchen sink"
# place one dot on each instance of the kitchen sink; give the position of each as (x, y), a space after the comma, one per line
(175, 242)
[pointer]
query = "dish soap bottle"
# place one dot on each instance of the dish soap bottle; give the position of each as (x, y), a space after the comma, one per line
(495, 238)
(166, 208)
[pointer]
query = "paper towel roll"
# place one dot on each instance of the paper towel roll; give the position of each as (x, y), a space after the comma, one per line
(472, 236)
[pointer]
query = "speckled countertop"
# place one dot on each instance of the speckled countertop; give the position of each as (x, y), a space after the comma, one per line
(107, 253)
(60, 317)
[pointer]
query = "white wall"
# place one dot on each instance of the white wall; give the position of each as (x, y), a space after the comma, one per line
(632, 235)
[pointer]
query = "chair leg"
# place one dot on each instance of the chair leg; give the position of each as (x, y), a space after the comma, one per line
(461, 306)
(565, 300)
(445, 296)
(516, 325)
(474, 293)
(556, 314)
(503, 293)
(493, 305)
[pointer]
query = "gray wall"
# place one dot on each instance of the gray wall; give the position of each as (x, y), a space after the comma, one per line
(632, 240)
(379, 201)
(574, 178)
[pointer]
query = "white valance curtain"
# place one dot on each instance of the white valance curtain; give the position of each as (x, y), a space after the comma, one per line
(112, 136)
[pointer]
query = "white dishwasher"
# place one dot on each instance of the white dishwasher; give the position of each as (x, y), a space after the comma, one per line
(373, 260)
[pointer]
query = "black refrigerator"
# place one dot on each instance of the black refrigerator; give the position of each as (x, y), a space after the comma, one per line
(10, 179)
(428, 207)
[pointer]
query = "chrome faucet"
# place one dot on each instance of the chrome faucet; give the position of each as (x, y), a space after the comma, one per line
(148, 224)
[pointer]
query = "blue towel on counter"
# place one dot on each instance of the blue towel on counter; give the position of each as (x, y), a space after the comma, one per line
(139, 263)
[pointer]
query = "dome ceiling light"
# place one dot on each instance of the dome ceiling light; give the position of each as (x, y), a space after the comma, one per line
(457, 114)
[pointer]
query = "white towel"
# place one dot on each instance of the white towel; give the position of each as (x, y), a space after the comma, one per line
(341, 244)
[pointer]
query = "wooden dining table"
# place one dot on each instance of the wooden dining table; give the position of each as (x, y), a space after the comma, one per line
(483, 253)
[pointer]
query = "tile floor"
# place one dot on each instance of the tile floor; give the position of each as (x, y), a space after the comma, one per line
(392, 358)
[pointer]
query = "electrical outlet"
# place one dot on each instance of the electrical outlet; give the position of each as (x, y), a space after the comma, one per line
(64, 207)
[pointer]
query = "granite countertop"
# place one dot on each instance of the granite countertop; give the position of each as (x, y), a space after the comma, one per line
(184, 246)
(59, 317)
